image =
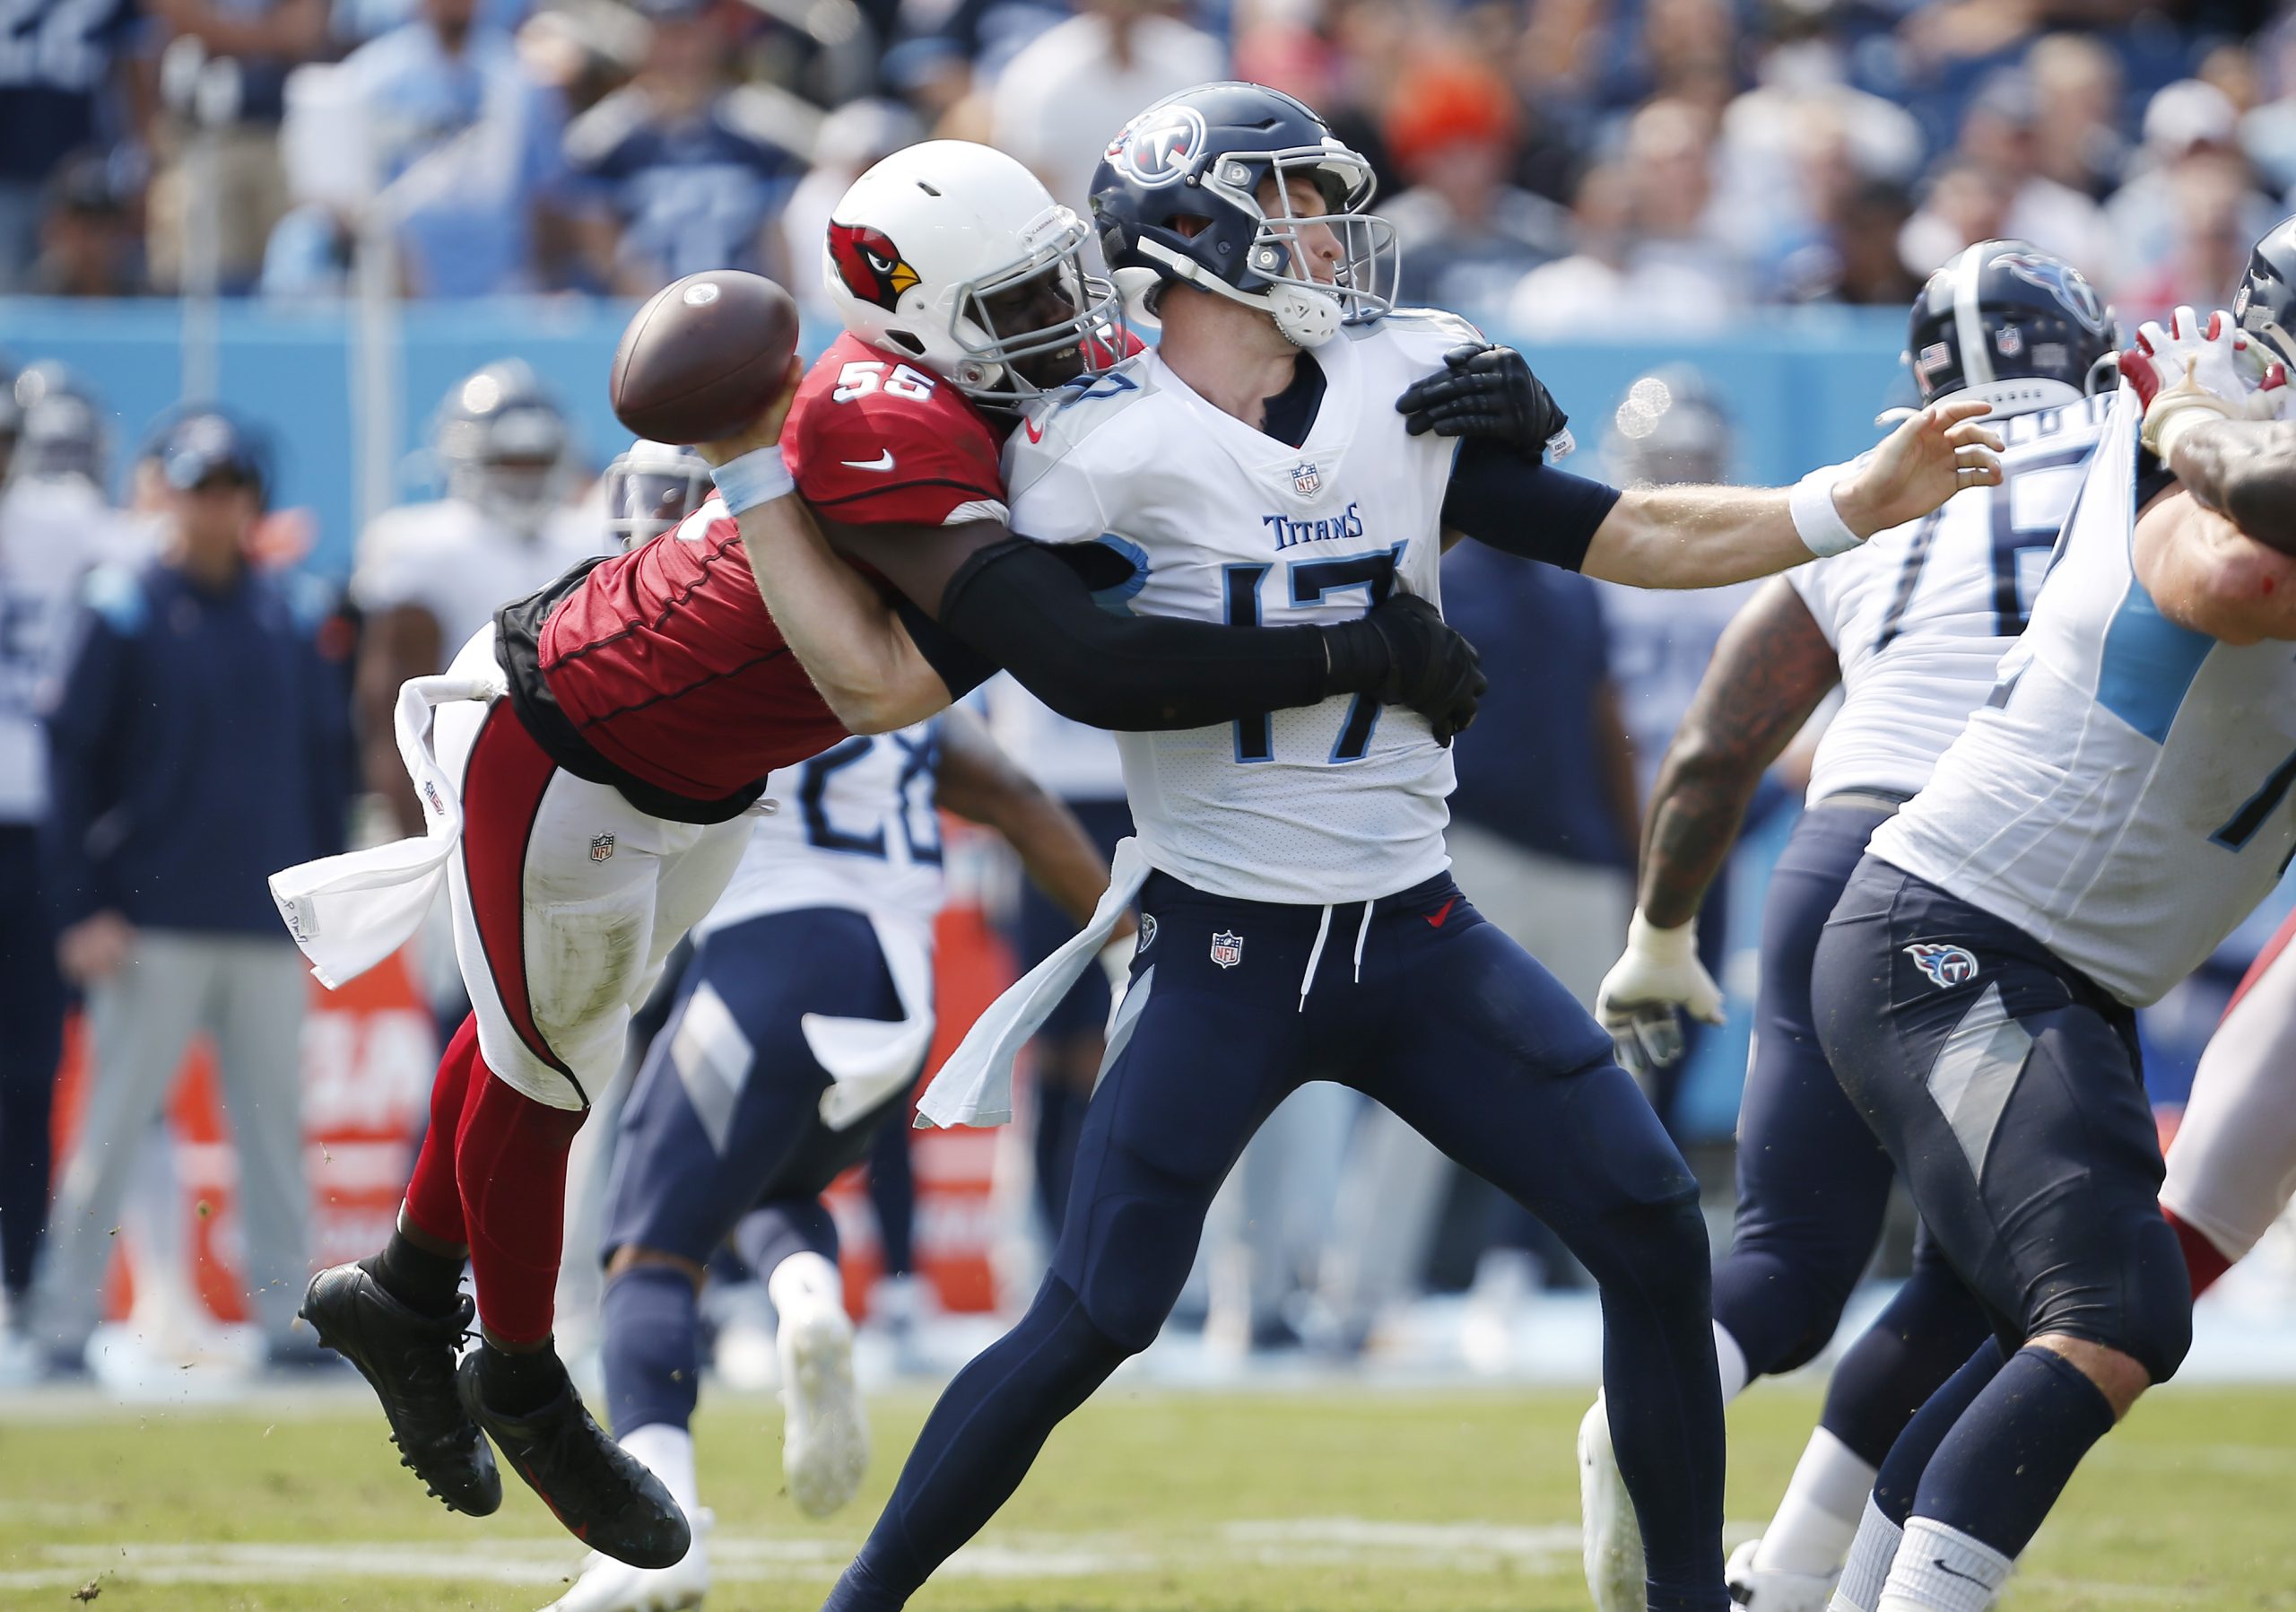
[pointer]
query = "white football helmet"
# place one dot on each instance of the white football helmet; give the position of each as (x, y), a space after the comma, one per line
(924, 241)
(650, 487)
(504, 443)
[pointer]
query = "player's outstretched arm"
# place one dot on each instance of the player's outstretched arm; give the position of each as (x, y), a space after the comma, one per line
(1706, 537)
(2245, 470)
(2205, 574)
(848, 637)
(1771, 667)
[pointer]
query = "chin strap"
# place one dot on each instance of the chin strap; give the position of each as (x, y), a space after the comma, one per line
(1304, 317)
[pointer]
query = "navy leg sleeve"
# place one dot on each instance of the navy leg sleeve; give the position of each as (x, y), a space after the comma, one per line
(1501, 1069)
(1813, 1183)
(1917, 1342)
(1901, 1475)
(652, 1347)
(2010, 1456)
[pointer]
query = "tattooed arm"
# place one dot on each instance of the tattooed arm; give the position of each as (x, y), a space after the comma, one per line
(1769, 671)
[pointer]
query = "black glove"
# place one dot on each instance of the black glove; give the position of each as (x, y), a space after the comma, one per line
(1484, 391)
(1431, 668)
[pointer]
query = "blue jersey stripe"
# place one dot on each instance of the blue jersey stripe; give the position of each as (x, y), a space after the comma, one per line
(2147, 664)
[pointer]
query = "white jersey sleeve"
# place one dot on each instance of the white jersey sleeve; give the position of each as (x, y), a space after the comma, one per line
(2124, 797)
(459, 566)
(854, 827)
(1921, 615)
(1339, 801)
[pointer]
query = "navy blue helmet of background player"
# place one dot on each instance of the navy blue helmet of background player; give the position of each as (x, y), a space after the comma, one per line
(2009, 323)
(1178, 199)
(2265, 303)
(60, 429)
(503, 439)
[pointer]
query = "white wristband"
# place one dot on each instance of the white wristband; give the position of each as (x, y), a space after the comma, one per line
(758, 478)
(1816, 521)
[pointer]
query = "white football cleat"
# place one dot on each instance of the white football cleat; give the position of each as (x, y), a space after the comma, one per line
(607, 1585)
(1611, 1535)
(825, 1431)
(1771, 1590)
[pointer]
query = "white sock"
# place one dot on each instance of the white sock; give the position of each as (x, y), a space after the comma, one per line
(1941, 1569)
(1732, 1359)
(803, 1280)
(1868, 1569)
(667, 1451)
(1815, 1522)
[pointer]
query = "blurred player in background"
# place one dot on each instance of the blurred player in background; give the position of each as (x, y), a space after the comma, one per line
(595, 750)
(800, 1028)
(1913, 625)
(1284, 425)
(2118, 806)
(55, 525)
(427, 575)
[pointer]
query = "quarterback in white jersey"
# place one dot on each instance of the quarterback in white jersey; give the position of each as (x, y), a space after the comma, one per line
(2119, 805)
(428, 576)
(1912, 627)
(800, 1026)
(1282, 458)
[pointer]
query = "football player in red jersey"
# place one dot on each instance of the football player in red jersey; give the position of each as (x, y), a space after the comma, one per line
(592, 752)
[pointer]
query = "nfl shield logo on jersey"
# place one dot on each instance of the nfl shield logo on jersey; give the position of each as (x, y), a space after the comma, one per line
(600, 847)
(1306, 478)
(1944, 964)
(1227, 949)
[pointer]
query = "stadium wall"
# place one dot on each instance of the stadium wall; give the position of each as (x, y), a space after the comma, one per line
(1803, 385)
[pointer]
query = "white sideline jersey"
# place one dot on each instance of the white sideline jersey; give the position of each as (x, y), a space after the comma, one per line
(453, 559)
(1342, 801)
(52, 531)
(2124, 798)
(1921, 615)
(853, 827)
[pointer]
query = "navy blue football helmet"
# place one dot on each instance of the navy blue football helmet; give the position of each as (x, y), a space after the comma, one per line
(2265, 303)
(2011, 324)
(1183, 197)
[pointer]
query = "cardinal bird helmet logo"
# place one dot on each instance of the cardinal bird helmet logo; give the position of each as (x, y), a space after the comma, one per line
(870, 265)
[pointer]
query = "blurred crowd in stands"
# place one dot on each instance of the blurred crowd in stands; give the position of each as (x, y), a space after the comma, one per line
(1552, 164)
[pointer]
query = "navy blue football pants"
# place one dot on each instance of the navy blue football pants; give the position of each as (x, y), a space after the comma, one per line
(2006, 1085)
(1814, 1182)
(1233, 1005)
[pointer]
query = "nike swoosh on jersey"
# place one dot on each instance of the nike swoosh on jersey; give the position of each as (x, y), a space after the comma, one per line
(1435, 918)
(884, 461)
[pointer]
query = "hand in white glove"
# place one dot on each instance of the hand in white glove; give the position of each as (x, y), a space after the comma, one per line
(2198, 369)
(1659, 977)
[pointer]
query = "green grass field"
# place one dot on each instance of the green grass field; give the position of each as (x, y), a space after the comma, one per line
(1146, 1500)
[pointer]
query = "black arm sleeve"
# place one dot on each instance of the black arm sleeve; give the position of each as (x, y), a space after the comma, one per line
(1017, 604)
(1498, 497)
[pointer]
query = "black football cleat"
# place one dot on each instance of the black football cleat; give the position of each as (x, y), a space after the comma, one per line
(605, 1495)
(408, 1359)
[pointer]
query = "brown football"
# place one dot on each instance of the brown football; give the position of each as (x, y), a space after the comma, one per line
(704, 357)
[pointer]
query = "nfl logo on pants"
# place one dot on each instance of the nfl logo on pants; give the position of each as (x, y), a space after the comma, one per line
(1227, 949)
(600, 847)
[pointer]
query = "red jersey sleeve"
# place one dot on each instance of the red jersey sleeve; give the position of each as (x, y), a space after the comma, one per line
(873, 441)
